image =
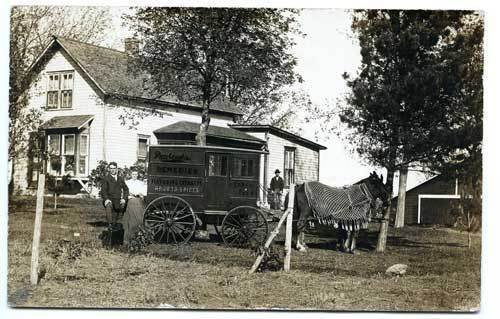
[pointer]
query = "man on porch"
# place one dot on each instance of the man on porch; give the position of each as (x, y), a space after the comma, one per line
(277, 185)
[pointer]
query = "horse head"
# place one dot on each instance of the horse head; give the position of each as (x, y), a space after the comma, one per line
(378, 190)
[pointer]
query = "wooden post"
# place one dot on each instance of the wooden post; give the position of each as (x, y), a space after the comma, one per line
(269, 241)
(38, 228)
(288, 235)
(287, 215)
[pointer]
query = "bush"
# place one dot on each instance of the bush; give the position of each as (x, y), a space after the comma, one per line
(65, 185)
(97, 174)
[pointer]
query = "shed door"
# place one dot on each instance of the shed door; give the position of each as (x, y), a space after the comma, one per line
(436, 211)
(216, 190)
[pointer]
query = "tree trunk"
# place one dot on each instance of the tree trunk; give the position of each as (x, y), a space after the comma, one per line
(11, 185)
(55, 193)
(201, 137)
(469, 229)
(400, 212)
(384, 225)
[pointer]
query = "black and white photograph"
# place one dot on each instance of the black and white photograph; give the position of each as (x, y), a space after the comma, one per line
(259, 158)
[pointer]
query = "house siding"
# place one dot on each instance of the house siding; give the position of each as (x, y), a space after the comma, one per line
(306, 159)
(122, 135)
(85, 101)
(110, 137)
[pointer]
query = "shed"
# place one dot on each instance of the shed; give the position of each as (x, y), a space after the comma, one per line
(430, 202)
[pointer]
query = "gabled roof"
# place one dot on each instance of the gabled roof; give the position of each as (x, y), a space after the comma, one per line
(114, 73)
(186, 127)
(67, 122)
(279, 132)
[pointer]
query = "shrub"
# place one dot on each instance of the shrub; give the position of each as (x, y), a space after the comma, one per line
(98, 173)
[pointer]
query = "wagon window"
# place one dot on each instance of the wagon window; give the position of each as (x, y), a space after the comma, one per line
(244, 167)
(217, 165)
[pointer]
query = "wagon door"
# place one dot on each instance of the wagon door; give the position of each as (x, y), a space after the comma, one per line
(217, 180)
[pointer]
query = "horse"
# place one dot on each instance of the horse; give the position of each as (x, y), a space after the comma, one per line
(349, 208)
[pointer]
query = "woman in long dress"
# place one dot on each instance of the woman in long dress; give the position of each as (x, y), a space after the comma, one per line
(134, 214)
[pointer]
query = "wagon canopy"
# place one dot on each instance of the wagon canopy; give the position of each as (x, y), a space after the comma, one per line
(184, 132)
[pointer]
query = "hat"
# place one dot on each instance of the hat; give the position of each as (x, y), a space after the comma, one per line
(277, 171)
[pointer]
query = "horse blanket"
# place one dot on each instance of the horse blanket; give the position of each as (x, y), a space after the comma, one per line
(347, 208)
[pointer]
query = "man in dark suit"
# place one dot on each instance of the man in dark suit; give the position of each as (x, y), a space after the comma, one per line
(277, 185)
(114, 194)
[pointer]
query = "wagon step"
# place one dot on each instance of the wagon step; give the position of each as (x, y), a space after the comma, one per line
(215, 212)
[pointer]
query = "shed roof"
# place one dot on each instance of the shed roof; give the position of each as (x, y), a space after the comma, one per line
(116, 73)
(67, 122)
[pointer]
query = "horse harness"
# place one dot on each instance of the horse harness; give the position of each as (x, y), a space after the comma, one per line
(347, 208)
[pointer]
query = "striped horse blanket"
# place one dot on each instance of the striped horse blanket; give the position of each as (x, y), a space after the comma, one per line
(347, 208)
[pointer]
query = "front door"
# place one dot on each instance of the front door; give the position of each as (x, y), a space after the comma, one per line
(216, 190)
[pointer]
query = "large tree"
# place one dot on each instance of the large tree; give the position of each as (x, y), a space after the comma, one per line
(31, 30)
(222, 55)
(461, 156)
(403, 100)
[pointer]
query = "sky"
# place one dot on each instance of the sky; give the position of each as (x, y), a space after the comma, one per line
(327, 50)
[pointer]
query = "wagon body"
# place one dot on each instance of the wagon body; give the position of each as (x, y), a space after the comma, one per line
(212, 181)
(209, 178)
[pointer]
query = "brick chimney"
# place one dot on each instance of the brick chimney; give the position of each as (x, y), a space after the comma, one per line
(132, 46)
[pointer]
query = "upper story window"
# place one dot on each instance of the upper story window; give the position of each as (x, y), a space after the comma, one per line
(60, 90)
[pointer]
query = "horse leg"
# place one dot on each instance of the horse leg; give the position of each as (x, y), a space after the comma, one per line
(352, 241)
(339, 239)
(301, 245)
(303, 212)
(344, 240)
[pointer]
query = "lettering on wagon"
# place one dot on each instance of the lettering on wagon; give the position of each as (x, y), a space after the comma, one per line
(175, 170)
(160, 185)
(171, 157)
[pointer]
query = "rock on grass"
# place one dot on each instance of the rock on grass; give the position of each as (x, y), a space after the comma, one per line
(397, 270)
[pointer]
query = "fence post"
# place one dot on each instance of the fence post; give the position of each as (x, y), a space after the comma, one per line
(37, 230)
(289, 220)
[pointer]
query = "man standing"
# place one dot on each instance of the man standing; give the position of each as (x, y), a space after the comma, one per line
(277, 185)
(114, 193)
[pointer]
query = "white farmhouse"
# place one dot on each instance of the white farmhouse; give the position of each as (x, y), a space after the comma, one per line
(97, 106)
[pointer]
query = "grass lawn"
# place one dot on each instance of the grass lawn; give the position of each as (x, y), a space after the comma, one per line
(76, 271)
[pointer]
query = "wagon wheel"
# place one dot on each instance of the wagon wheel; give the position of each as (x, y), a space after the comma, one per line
(170, 220)
(244, 226)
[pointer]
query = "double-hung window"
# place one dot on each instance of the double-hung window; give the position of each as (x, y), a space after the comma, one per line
(60, 90)
(83, 154)
(54, 152)
(142, 148)
(289, 169)
(69, 164)
(68, 154)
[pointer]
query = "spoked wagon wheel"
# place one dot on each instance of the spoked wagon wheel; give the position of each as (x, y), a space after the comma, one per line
(170, 220)
(244, 226)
